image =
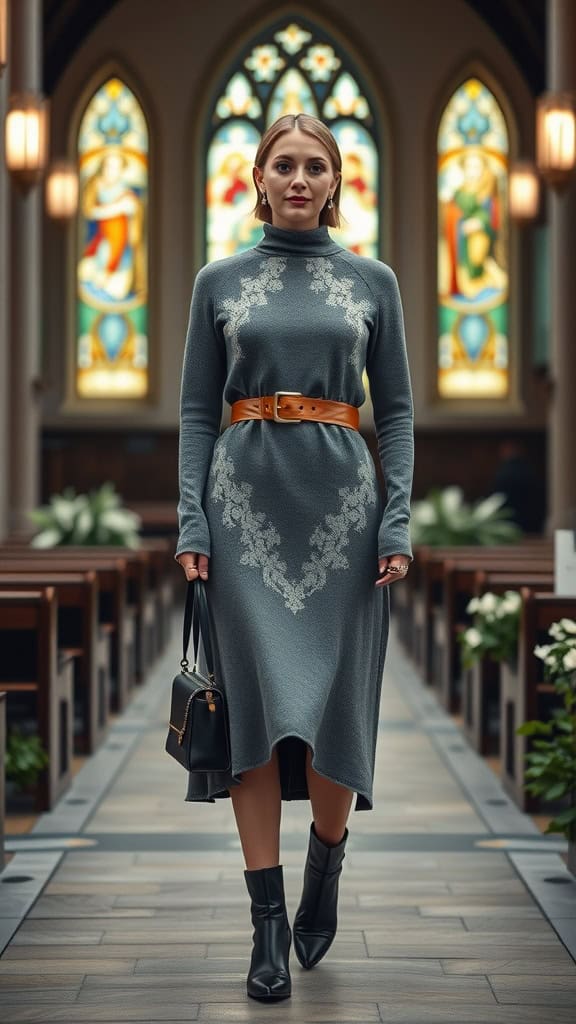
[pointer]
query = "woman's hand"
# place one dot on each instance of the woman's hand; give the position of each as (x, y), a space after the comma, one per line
(194, 565)
(392, 568)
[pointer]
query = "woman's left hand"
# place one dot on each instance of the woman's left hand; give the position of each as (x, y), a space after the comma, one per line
(390, 571)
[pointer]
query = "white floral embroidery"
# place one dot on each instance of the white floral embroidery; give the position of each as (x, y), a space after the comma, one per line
(253, 293)
(261, 539)
(339, 293)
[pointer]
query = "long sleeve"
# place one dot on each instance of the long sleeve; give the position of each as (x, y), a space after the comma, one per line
(201, 399)
(391, 392)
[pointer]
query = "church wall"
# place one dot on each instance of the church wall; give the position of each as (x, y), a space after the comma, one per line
(412, 56)
(4, 344)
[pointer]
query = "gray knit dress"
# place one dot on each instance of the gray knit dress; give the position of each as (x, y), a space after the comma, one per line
(292, 516)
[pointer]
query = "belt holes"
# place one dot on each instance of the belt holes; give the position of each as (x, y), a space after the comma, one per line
(300, 406)
(313, 408)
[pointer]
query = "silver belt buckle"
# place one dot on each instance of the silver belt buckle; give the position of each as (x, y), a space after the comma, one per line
(282, 419)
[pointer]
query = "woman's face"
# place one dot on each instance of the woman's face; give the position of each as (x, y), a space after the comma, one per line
(297, 167)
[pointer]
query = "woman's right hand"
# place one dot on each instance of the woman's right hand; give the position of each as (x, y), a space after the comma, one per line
(194, 565)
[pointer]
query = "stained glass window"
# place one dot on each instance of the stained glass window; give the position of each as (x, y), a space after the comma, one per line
(112, 256)
(473, 343)
(292, 67)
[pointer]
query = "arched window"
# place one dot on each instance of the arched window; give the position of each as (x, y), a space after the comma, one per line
(473, 249)
(112, 247)
(290, 67)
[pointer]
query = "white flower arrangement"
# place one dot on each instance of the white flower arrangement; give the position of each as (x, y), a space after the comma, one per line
(85, 519)
(551, 774)
(494, 631)
(444, 518)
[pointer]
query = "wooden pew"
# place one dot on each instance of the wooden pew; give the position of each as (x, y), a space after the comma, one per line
(162, 576)
(31, 663)
(524, 695)
(425, 582)
(2, 773)
(114, 612)
(79, 631)
(481, 683)
(139, 588)
(444, 670)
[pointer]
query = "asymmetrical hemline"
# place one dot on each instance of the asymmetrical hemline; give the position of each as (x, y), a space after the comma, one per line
(291, 515)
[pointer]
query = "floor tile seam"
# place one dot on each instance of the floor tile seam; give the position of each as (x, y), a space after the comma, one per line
(13, 867)
(414, 698)
(539, 897)
(138, 715)
(415, 691)
(151, 701)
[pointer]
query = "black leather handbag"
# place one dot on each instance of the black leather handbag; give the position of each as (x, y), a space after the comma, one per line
(198, 734)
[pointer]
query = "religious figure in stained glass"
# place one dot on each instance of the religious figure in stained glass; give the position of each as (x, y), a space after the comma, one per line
(112, 347)
(290, 68)
(473, 359)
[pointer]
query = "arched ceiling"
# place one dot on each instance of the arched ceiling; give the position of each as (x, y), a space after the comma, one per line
(520, 24)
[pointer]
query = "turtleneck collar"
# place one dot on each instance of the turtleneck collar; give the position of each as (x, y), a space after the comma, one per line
(310, 242)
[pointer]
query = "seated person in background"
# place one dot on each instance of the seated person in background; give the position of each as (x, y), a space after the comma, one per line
(524, 488)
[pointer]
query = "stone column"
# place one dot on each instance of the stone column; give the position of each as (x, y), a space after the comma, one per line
(25, 289)
(4, 286)
(562, 419)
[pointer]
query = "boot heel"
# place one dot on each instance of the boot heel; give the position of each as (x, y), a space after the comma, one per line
(269, 975)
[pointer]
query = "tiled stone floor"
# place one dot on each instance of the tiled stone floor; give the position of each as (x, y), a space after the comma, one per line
(150, 923)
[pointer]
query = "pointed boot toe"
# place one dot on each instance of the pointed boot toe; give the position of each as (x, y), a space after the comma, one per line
(317, 916)
(310, 947)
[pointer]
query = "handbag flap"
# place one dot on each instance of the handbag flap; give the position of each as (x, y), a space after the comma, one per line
(187, 685)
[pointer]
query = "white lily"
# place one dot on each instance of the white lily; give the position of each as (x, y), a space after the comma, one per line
(569, 660)
(485, 509)
(473, 637)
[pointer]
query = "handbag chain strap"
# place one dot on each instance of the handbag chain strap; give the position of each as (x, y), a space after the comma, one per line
(196, 616)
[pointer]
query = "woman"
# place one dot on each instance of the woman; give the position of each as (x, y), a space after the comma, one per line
(282, 513)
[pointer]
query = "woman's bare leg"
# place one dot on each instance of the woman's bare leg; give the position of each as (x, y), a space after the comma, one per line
(257, 809)
(331, 804)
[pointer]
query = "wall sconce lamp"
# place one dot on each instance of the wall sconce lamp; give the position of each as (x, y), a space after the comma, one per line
(26, 142)
(523, 191)
(556, 138)
(3, 35)
(61, 190)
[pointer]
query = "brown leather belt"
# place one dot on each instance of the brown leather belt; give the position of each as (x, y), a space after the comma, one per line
(293, 407)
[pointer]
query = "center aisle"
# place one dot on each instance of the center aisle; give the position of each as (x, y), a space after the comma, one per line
(151, 922)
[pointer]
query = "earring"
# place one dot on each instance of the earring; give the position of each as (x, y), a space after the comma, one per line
(330, 203)
(264, 198)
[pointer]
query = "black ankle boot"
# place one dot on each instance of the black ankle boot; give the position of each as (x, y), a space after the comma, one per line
(269, 974)
(316, 917)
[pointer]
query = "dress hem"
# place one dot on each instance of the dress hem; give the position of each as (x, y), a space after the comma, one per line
(364, 800)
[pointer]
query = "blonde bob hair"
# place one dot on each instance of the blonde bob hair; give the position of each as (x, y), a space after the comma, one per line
(318, 130)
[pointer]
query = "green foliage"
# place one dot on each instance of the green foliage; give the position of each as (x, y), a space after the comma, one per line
(93, 519)
(552, 760)
(494, 630)
(25, 758)
(444, 518)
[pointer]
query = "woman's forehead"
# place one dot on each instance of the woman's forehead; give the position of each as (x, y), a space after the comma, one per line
(296, 143)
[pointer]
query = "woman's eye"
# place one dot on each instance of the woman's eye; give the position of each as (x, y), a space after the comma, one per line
(317, 168)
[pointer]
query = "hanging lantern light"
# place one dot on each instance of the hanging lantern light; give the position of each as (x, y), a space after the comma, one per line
(62, 190)
(556, 137)
(523, 191)
(26, 142)
(3, 34)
